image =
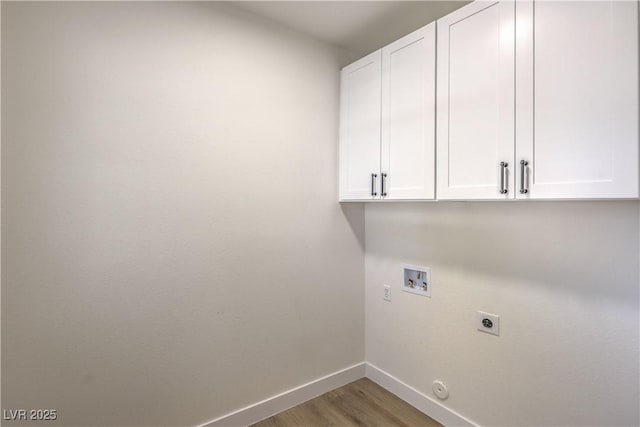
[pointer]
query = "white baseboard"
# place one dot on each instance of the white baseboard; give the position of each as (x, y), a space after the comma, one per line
(259, 411)
(415, 398)
(283, 401)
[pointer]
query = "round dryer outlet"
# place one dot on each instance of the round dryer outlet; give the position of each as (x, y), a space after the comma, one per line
(440, 390)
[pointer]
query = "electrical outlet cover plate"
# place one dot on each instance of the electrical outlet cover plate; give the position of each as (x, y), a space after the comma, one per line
(487, 322)
(416, 280)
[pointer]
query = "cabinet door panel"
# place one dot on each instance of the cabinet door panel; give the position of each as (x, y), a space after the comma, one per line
(360, 127)
(578, 83)
(476, 101)
(408, 115)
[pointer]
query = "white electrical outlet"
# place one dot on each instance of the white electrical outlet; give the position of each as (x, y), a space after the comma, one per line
(487, 322)
(387, 293)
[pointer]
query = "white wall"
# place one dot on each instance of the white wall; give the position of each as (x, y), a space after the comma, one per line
(172, 248)
(563, 277)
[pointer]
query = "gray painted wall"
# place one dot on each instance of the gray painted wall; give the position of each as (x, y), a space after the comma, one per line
(172, 248)
(562, 276)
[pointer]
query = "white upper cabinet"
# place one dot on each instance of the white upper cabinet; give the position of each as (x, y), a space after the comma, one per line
(387, 114)
(535, 99)
(360, 128)
(475, 138)
(577, 99)
(408, 116)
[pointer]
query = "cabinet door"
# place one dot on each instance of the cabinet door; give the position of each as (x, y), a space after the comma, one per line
(578, 99)
(475, 101)
(408, 116)
(360, 128)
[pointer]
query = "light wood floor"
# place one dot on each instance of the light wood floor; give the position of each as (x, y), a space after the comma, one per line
(361, 403)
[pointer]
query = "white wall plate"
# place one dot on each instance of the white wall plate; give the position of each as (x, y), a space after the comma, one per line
(487, 322)
(416, 280)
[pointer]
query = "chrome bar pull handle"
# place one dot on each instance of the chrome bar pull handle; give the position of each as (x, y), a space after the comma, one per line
(383, 190)
(523, 172)
(503, 172)
(373, 184)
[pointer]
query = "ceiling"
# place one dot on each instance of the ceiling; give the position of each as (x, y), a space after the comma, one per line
(357, 26)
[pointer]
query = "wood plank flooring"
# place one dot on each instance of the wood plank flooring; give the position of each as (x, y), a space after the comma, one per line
(361, 403)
